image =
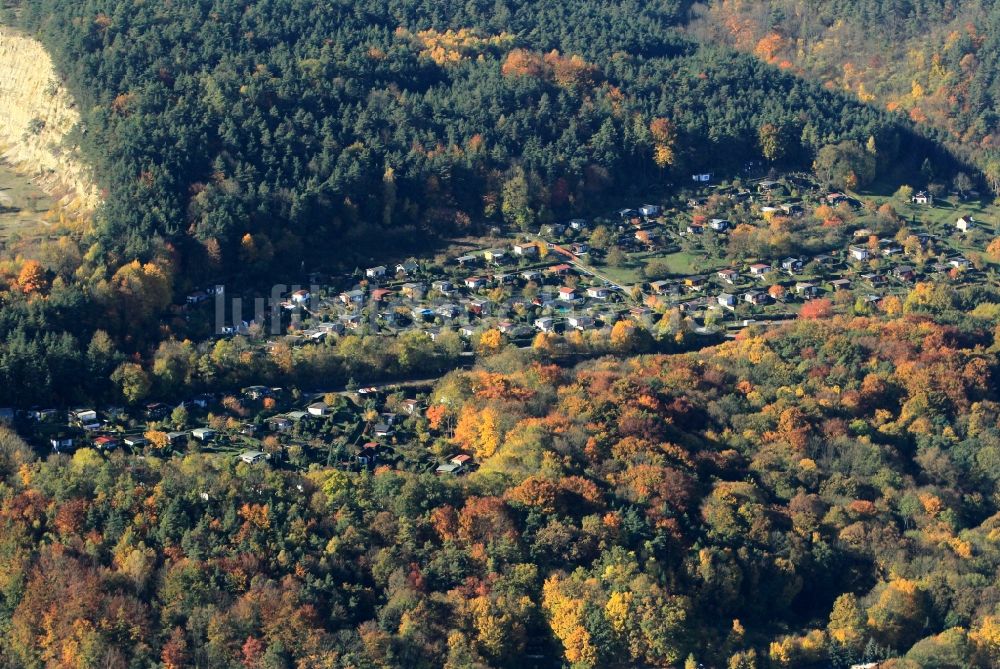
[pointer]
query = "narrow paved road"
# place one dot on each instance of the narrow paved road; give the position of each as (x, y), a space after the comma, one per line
(584, 268)
(382, 386)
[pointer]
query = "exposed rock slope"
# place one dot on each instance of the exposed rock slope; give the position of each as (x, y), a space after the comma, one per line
(36, 114)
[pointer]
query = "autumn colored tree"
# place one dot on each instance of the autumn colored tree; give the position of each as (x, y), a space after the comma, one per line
(213, 252)
(769, 46)
(485, 519)
(929, 298)
(564, 601)
(847, 622)
(571, 71)
(664, 139)
(628, 337)
(133, 382)
(437, 416)
(815, 309)
(897, 614)
(891, 306)
(141, 290)
(478, 431)
(175, 651)
(888, 213)
(490, 342)
(773, 142)
(256, 250)
(158, 440)
(986, 640)
(522, 63)
(32, 278)
(794, 651)
(993, 250)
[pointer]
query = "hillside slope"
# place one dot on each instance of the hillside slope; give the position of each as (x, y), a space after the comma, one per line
(36, 115)
(931, 60)
(815, 497)
(256, 143)
(289, 121)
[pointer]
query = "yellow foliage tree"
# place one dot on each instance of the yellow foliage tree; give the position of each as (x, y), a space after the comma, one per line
(663, 155)
(897, 616)
(478, 431)
(490, 342)
(664, 137)
(565, 614)
(143, 290)
(928, 297)
(847, 622)
(619, 610)
(626, 336)
(794, 651)
(157, 439)
(986, 639)
(891, 306)
(489, 433)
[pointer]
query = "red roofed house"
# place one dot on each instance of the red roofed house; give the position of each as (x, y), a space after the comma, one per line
(560, 269)
(106, 443)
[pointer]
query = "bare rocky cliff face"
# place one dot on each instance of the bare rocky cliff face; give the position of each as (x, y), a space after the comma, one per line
(36, 114)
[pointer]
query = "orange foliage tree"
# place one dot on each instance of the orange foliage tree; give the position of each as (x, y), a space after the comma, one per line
(32, 278)
(815, 309)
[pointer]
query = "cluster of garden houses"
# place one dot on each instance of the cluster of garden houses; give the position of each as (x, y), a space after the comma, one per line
(796, 278)
(114, 428)
(549, 282)
(520, 288)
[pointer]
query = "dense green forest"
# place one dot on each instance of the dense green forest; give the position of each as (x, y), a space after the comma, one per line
(300, 122)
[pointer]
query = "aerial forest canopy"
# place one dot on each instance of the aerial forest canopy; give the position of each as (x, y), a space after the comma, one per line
(752, 425)
(818, 496)
(932, 60)
(303, 122)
